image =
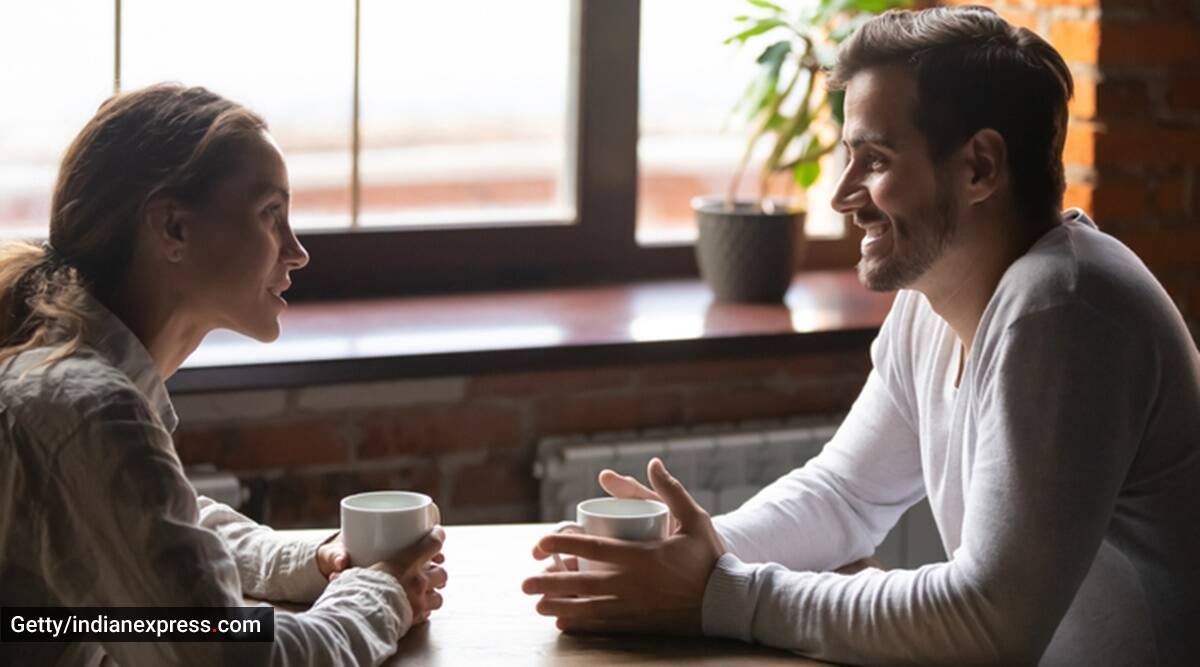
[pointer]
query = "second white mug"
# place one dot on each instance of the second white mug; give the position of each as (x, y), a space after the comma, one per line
(620, 518)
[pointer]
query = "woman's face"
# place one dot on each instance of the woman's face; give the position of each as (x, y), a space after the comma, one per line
(240, 247)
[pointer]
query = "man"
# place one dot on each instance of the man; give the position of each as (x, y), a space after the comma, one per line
(1032, 379)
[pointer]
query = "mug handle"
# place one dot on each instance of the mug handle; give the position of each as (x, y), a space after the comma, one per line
(565, 527)
(437, 514)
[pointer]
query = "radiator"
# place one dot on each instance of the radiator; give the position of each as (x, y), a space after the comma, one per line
(722, 466)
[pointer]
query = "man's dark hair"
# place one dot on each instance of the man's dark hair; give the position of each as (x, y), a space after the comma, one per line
(974, 70)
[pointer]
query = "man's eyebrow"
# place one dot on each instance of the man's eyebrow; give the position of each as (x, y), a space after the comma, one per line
(875, 138)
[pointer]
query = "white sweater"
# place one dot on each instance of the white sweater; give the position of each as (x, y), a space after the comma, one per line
(1063, 472)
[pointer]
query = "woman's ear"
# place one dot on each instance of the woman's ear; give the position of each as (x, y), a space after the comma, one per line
(167, 226)
(987, 163)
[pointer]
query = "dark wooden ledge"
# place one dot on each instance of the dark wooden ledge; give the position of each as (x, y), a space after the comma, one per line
(468, 334)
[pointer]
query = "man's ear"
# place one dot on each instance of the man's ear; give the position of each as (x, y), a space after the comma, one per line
(166, 223)
(986, 158)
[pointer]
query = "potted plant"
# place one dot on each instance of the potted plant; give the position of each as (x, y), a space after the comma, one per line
(747, 247)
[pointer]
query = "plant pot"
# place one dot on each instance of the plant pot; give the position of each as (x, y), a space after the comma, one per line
(745, 253)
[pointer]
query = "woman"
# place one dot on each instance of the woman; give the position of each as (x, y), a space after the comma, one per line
(169, 220)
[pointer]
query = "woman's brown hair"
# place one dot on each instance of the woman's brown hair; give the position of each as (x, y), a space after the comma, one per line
(163, 140)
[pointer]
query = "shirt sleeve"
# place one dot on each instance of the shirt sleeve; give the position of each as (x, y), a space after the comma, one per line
(270, 566)
(122, 529)
(1060, 410)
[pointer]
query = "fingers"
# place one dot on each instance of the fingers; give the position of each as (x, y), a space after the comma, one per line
(569, 564)
(591, 547)
(424, 550)
(683, 507)
(573, 583)
(438, 577)
(624, 486)
(578, 608)
(439, 558)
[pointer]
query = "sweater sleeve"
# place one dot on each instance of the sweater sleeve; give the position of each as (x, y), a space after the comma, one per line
(1060, 411)
(841, 504)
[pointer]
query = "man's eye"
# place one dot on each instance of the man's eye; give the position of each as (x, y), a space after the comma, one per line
(876, 161)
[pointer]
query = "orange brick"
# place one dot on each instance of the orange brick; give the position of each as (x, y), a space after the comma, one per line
(1079, 148)
(1020, 19)
(1079, 195)
(1083, 105)
(1067, 3)
(685, 373)
(313, 500)
(1149, 43)
(1077, 41)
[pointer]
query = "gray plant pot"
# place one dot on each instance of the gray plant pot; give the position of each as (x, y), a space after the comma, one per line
(746, 254)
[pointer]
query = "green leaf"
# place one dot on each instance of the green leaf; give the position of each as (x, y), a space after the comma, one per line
(806, 173)
(757, 29)
(763, 4)
(837, 106)
(774, 55)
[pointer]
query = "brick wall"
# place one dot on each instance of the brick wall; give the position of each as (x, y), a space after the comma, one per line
(1133, 151)
(470, 441)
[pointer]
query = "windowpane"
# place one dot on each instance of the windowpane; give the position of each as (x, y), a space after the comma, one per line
(58, 68)
(690, 138)
(464, 112)
(292, 61)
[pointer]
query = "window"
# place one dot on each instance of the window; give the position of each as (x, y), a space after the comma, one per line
(477, 146)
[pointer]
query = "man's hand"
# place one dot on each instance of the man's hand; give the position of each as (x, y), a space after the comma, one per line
(658, 587)
(624, 486)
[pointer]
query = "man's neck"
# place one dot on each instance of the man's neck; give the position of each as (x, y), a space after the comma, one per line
(960, 285)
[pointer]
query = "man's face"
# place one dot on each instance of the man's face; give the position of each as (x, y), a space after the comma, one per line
(897, 195)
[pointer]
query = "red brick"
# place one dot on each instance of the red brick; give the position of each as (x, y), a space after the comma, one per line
(1171, 196)
(500, 482)
(255, 446)
(1123, 145)
(1067, 3)
(549, 382)
(564, 415)
(1077, 41)
(761, 402)
(312, 500)
(1120, 199)
(427, 430)
(1149, 43)
(710, 371)
(1184, 94)
(1162, 248)
(1122, 98)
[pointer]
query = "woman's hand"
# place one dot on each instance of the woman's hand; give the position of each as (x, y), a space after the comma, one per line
(418, 571)
(333, 559)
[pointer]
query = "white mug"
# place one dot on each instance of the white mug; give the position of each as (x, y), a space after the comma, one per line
(378, 525)
(620, 518)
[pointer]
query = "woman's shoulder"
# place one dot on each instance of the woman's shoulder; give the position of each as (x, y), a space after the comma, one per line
(55, 398)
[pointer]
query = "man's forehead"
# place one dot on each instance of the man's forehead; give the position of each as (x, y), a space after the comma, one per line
(879, 105)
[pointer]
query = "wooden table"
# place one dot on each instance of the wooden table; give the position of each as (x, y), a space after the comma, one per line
(488, 621)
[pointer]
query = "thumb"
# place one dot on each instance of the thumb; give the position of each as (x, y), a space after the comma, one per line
(671, 490)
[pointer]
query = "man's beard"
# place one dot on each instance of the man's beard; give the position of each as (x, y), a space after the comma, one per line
(926, 236)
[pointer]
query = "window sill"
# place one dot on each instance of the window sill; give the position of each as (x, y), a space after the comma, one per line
(466, 334)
